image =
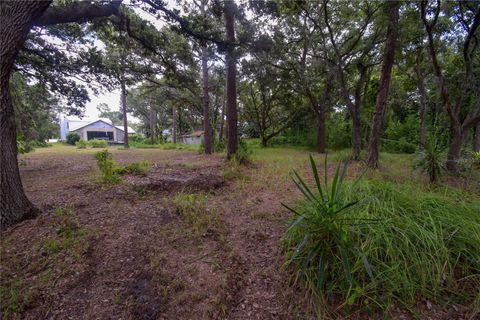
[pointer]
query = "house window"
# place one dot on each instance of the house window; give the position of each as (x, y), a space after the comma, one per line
(103, 135)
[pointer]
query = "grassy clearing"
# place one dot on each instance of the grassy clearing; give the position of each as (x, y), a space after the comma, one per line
(165, 146)
(402, 243)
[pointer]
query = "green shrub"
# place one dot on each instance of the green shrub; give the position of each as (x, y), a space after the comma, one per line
(402, 244)
(72, 138)
(244, 152)
(476, 159)
(431, 160)
(136, 137)
(398, 146)
(81, 144)
(106, 166)
(320, 242)
(98, 143)
(135, 168)
(24, 146)
(220, 145)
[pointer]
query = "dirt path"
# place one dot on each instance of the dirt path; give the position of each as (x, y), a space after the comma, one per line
(127, 252)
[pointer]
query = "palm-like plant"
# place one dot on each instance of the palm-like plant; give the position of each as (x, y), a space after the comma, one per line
(431, 160)
(320, 240)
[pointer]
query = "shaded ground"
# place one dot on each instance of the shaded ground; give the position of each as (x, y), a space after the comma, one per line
(195, 239)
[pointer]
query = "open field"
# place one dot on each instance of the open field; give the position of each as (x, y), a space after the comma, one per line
(182, 248)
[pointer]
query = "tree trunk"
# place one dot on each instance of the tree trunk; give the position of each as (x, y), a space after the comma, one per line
(454, 149)
(382, 96)
(124, 111)
(174, 124)
(476, 139)
(205, 99)
(423, 101)
(230, 8)
(263, 141)
(320, 130)
(152, 125)
(16, 20)
(356, 136)
(222, 121)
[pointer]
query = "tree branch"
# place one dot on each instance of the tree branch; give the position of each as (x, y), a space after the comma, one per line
(77, 12)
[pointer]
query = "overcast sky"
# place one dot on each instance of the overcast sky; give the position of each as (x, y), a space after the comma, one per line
(112, 98)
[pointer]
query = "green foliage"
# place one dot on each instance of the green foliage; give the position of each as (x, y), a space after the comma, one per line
(402, 136)
(319, 241)
(401, 245)
(106, 166)
(220, 145)
(98, 143)
(431, 160)
(244, 152)
(81, 144)
(23, 146)
(476, 159)
(398, 146)
(136, 137)
(135, 168)
(72, 138)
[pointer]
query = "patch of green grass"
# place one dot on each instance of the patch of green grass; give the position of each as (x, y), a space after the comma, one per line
(193, 207)
(165, 146)
(135, 168)
(401, 243)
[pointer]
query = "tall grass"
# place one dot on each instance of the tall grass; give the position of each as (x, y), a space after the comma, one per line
(401, 243)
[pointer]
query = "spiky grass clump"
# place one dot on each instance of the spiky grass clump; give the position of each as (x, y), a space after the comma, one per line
(402, 244)
(431, 160)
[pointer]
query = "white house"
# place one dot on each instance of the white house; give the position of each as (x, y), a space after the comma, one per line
(195, 137)
(88, 129)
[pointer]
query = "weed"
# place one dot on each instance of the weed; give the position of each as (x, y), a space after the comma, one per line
(135, 168)
(106, 166)
(193, 208)
(81, 144)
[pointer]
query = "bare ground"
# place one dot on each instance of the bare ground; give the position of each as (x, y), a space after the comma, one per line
(127, 253)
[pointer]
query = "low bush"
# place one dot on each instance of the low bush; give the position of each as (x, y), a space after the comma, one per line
(398, 146)
(244, 152)
(431, 160)
(220, 145)
(98, 143)
(81, 144)
(106, 166)
(24, 146)
(72, 138)
(476, 159)
(135, 168)
(402, 244)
